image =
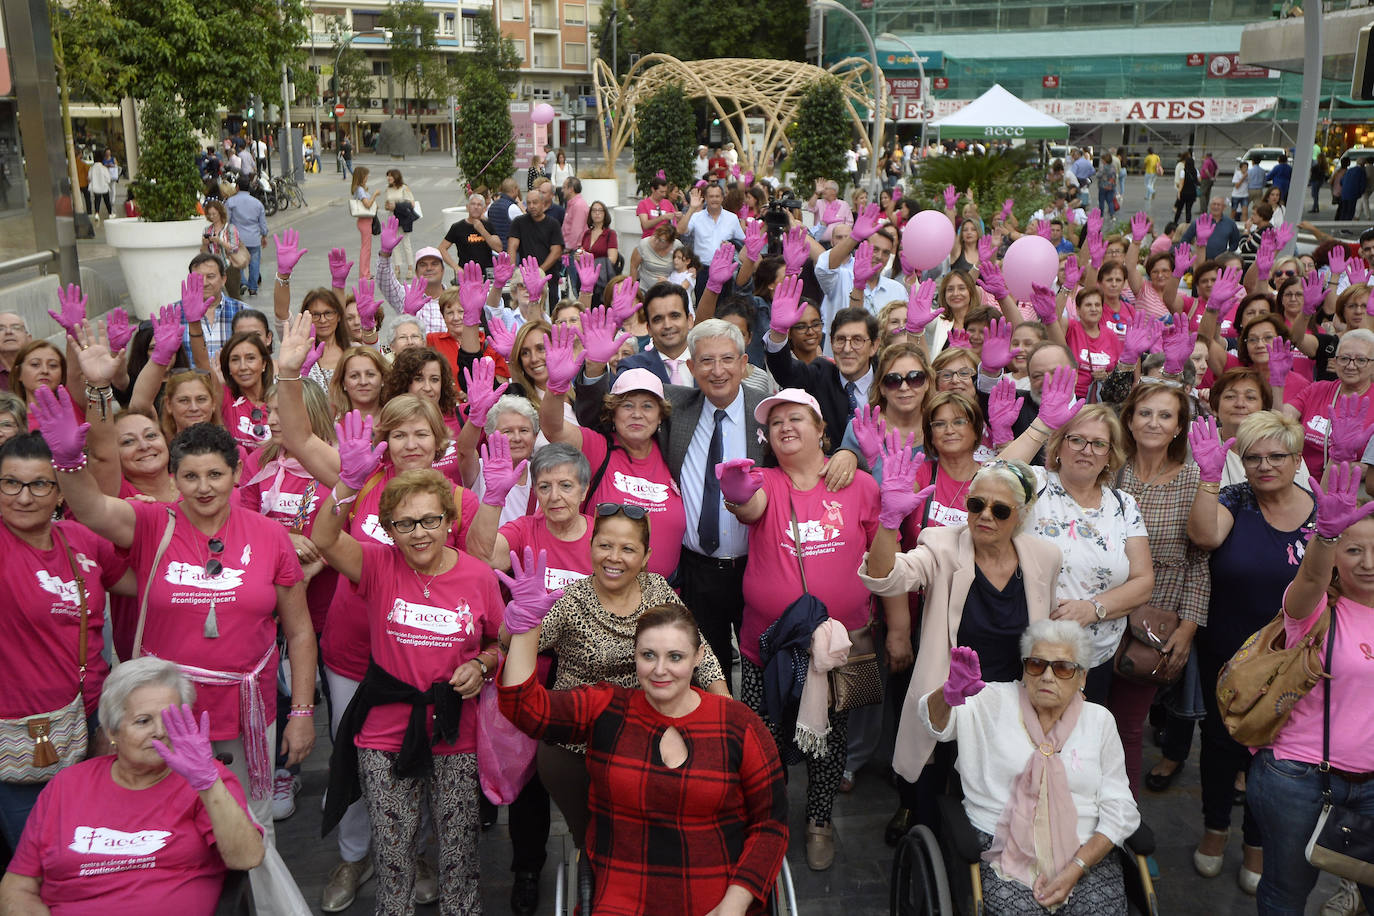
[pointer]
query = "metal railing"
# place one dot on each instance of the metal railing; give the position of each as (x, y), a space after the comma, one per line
(37, 259)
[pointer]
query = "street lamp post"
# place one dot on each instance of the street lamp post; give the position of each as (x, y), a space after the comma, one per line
(878, 113)
(921, 70)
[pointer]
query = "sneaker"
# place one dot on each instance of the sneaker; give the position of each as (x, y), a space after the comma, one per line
(342, 887)
(426, 882)
(1345, 902)
(284, 789)
(820, 846)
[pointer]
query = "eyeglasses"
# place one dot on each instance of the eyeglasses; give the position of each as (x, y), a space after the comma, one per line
(709, 363)
(1358, 362)
(213, 567)
(407, 525)
(976, 505)
(846, 343)
(1261, 340)
(941, 425)
(1254, 462)
(1081, 443)
(37, 488)
(634, 513)
(1062, 668)
(9, 426)
(950, 374)
(913, 379)
(322, 316)
(813, 327)
(13, 328)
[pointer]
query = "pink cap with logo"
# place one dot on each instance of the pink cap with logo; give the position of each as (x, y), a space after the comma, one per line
(638, 380)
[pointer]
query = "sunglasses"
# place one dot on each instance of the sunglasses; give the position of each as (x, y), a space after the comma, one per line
(634, 513)
(213, 567)
(407, 525)
(976, 505)
(258, 415)
(1062, 669)
(913, 379)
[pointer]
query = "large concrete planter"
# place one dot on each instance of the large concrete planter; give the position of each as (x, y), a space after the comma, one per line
(154, 257)
(606, 190)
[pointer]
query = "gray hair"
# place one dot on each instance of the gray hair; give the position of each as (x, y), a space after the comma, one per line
(558, 455)
(711, 329)
(1018, 478)
(130, 676)
(395, 322)
(1359, 335)
(1059, 633)
(1155, 361)
(11, 404)
(512, 403)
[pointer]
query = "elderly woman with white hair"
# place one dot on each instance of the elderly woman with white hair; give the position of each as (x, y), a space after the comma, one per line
(401, 333)
(154, 823)
(1317, 405)
(984, 582)
(1043, 773)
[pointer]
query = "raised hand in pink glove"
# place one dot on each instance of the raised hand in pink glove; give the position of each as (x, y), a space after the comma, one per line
(498, 477)
(472, 293)
(866, 223)
(897, 493)
(796, 250)
(166, 334)
(1357, 272)
(56, 421)
(1003, 409)
(191, 757)
(1042, 229)
(1338, 506)
(722, 269)
(1313, 293)
(734, 170)
(1264, 257)
(1142, 336)
(1280, 361)
(1057, 403)
(990, 280)
(997, 352)
(415, 296)
(290, 252)
(1335, 260)
(920, 307)
(960, 339)
(1097, 249)
(869, 428)
(586, 271)
(1283, 235)
(1225, 289)
(1349, 429)
(358, 457)
(986, 248)
(951, 196)
(391, 236)
(73, 307)
(502, 269)
(194, 302)
(739, 480)
(600, 340)
(625, 301)
(479, 382)
(1208, 450)
(748, 179)
(535, 279)
(965, 676)
(1178, 342)
(365, 297)
(119, 329)
(1183, 259)
(339, 267)
(1094, 223)
(864, 268)
(561, 358)
(755, 240)
(1140, 226)
(501, 336)
(787, 305)
(530, 598)
(1073, 272)
(906, 258)
(1042, 300)
(1007, 207)
(1203, 228)
(314, 355)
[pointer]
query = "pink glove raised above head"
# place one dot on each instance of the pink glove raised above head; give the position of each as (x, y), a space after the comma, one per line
(1338, 506)
(314, 355)
(722, 268)
(787, 305)
(866, 222)
(755, 239)
(1178, 341)
(920, 307)
(1142, 336)
(864, 268)
(1140, 226)
(1225, 289)
(997, 352)
(625, 301)
(1313, 293)
(415, 296)
(869, 428)
(119, 329)
(1280, 362)
(498, 477)
(1043, 301)
(1336, 261)
(479, 382)
(990, 280)
(1094, 222)
(194, 302)
(339, 267)
(986, 248)
(965, 676)
(535, 279)
(600, 340)
(530, 598)
(960, 338)
(391, 235)
(290, 252)
(796, 250)
(190, 755)
(365, 297)
(586, 271)
(73, 307)
(501, 336)
(1007, 206)
(897, 493)
(951, 196)
(1042, 229)
(1203, 228)
(358, 457)
(1357, 272)
(1183, 259)
(1349, 429)
(1057, 404)
(739, 480)
(1208, 450)
(1073, 272)
(1097, 249)
(502, 269)
(1003, 409)
(473, 291)
(166, 334)
(561, 358)
(56, 421)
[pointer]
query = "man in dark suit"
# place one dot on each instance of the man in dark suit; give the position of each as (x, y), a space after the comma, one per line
(841, 386)
(669, 320)
(710, 423)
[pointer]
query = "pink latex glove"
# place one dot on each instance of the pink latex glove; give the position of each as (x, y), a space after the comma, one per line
(534, 278)
(661, 175)
(1140, 226)
(897, 493)
(600, 341)
(119, 329)
(530, 600)
(1208, 450)
(1264, 257)
(479, 382)
(1094, 223)
(1178, 342)
(1338, 507)
(586, 271)
(56, 421)
(909, 267)
(314, 355)
(391, 236)
(498, 477)
(951, 196)
(1225, 289)
(1349, 435)
(414, 296)
(864, 268)
(191, 757)
(1143, 335)
(561, 358)
(1283, 235)
(722, 269)
(1357, 272)
(1183, 259)
(990, 280)
(896, 193)
(869, 428)
(1003, 409)
(997, 352)
(339, 267)
(748, 179)
(194, 302)
(1203, 228)
(1073, 272)
(755, 240)
(290, 252)
(1057, 404)
(501, 336)
(734, 171)
(502, 269)
(1042, 229)
(73, 307)
(787, 305)
(358, 457)
(965, 676)
(986, 249)
(1007, 206)
(796, 250)
(1335, 259)
(1097, 249)
(625, 302)
(1313, 293)
(866, 223)
(739, 480)
(365, 297)
(1042, 300)
(959, 338)
(473, 291)
(920, 307)
(1280, 361)
(166, 334)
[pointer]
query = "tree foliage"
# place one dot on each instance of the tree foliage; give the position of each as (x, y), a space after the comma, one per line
(487, 151)
(821, 134)
(988, 179)
(168, 181)
(601, 34)
(702, 29)
(492, 52)
(665, 137)
(352, 79)
(415, 60)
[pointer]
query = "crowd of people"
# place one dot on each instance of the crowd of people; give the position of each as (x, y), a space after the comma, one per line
(633, 510)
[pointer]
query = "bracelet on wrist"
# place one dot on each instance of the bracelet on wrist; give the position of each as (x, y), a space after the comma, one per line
(1210, 486)
(288, 378)
(1080, 863)
(283, 279)
(339, 504)
(79, 466)
(301, 713)
(1325, 540)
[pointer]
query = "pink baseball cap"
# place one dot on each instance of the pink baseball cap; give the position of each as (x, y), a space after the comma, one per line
(1161, 243)
(785, 396)
(428, 252)
(638, 380)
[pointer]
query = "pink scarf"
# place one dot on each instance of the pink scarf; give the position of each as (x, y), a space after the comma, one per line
(829, 649)
(277, 469)
(1038, 831)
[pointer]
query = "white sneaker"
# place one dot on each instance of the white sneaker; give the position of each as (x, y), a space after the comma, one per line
(284, 789)
(426, 882)
(1345, 902)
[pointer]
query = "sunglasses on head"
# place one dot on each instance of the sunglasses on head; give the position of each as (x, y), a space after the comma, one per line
(976, 505)
(634, 513)
(913, 379)
(213, 567)
(1062, 669)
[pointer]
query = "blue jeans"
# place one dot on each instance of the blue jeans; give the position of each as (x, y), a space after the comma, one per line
(1286, 798)
(1105, 200)
(16, 801)
(253, 276)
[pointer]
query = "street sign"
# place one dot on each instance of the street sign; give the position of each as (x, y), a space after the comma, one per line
(939, 82)
(1050, 81)
(339, 110)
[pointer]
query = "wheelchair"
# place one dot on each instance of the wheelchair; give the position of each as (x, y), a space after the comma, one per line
(940, 876)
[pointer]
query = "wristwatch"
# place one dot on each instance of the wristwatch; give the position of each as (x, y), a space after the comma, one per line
(483, 665)
(1101, 611)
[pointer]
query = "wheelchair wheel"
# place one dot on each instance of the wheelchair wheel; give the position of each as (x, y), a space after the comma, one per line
(919, 884)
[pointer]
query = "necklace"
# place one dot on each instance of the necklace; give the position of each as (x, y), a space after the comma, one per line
(423, 584)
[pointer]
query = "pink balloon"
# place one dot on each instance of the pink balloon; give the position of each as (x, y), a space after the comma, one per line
(927, 239)
(543, 114)
(1030, 259)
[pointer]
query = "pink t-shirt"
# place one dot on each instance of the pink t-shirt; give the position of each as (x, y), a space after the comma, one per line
(421, 640)
(642, 482)
(447, 463)
(650, 208)
(947, 509)
(38, 654)
(567, 561)
(124, 609)
(1098, 353)
(1119, 319)
(836, 529)
(1352, 715)
(246, 421)
(100, 849)
(257, 557)
(1314, 406)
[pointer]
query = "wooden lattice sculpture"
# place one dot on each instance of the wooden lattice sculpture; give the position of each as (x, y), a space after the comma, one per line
(737, 88)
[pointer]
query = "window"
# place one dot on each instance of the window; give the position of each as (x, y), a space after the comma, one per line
(446, 24)
(575, 14)
(366, 21)
(513, 10)
(519, 44)
(381, 68)
(469, 32)
(575, 54)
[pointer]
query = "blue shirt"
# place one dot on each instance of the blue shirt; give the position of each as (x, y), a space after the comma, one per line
(1254, 179)
(217, 332)
(734, 537)
(1082, 168)
(1281, 175)
(248, 217)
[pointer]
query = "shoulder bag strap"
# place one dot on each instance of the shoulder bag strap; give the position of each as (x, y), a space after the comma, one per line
(82, 649)
(796, 540)
(152, 575)
(1326, 706)
(368, 486)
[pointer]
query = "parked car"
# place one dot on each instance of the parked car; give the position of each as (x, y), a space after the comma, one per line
(1269, 156)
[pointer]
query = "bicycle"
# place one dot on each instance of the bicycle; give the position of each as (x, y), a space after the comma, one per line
(288, 192)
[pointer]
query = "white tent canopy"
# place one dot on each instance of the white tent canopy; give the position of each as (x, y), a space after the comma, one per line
(999, 115)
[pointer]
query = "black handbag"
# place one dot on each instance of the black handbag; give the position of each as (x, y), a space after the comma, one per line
(1343, 840)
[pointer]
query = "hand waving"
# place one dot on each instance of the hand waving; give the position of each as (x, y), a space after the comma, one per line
(997, 350)
(472, 293)
(1057, 404)
(787, 305)
(1208, 450)
(339, 267)
(73, 307)
(534, 278)
(1338, 506)
(358, 457)
(1349, 429)
(530, 599)
(290, 252)
(56, 421)
(498, 476)
(920, 310)
(1003, 409)
(480, 384)
(965, 676)
(502, 269)
(600, 340)
(562, 358)
(501, 336)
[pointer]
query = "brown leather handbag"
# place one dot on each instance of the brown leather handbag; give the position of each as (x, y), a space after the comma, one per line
(1263, 681)
(1139, 657)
